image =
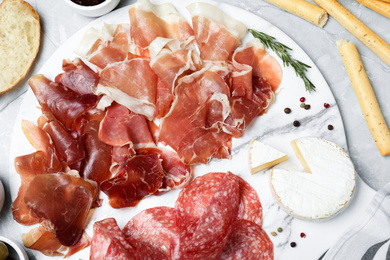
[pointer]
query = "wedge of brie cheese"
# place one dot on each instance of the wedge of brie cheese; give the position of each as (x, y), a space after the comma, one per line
(262, 156)
(326, 187)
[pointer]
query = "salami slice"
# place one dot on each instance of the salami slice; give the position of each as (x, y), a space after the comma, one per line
(208, 239)
(109, 242)
(247, 241)
(155, 228)
(250, 206)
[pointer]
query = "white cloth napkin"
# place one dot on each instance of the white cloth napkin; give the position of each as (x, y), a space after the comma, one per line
(369, 236)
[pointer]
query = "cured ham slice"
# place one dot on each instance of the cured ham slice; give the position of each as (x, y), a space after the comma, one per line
(194, 91)
(109, 242)
(176, 173)
(121, 126)
(64, 202)
(164, 99)
(97, 162)
(248, 241)
(28, 166)
(131, 83)
(141, 176)
(156, 228)
(253, 63)
(45, 241)
(172, 59)
(78, 77)
(216, 33)
(41, 141)
(65, 104)
(150, 21)
(71, 149)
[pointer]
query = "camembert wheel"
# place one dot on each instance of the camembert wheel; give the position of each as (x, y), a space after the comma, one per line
(326, 187)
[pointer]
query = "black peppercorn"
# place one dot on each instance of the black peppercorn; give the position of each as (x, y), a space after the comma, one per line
(296, 123)
(330, 127)
(307, 107)
(287, 110)
(293, 244)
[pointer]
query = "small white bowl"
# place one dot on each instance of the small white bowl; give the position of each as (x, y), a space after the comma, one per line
(15, 251)
(95, 10)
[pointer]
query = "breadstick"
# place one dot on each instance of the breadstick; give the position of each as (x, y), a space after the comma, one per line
(357, 28)
(366, 96)
(378, 6)
(303, 9)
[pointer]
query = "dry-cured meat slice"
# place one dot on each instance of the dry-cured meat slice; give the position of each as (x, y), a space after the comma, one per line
(164, 99)
(150, 21)
(194, 199)
(155, 228)
(64, 202)
(121, 126)
(193, 91)
(216, 33)
(109, 242)
(97, 162)
(176, 173)
(78, 77)
(247, 241)
(131, 83)
(28, 166)
(207, 237)
(65, 104)
(141, 176)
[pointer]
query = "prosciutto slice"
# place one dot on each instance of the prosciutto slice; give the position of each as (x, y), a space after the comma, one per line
(64, 202)
(78, 77)
(66, 105)
(255, 67)
(121, 126)
(141, 176)
(97, 162)
(150, 21)
(28, 166)
(131, 83)
(216, 33)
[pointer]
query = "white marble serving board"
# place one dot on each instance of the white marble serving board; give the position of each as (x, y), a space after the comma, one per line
(274, 128)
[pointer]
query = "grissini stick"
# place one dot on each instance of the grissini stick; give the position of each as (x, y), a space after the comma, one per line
(357, 28)
(366, 96)
(378, 6)
(303, 9)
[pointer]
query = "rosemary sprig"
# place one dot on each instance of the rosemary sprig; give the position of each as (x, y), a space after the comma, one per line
(282, 51)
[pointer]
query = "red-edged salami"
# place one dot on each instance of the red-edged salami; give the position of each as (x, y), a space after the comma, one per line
(247, 241)
(155, 229)
(109, 242)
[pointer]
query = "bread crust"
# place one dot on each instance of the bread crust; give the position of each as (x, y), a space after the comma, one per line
(27, 10)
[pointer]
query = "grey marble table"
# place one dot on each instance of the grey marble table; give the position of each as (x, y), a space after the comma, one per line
(59, 22)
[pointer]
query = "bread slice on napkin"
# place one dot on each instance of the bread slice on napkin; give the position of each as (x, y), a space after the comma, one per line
(20, 34)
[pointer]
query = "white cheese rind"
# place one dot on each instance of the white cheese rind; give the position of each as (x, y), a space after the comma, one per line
(324, 192)
(262, 156)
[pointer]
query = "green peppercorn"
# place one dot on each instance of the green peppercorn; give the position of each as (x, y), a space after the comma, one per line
(280, 229)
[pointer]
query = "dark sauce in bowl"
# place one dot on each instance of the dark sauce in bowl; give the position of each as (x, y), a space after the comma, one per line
(87, 2)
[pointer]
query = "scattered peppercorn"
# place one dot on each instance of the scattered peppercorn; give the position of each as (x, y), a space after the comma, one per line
(326, 105)
(307, 107)
(303, 235)
(280, 229)
(273, 233)
(302, 99)
(296, 123)
(303, 105)
(293, 244)
(287, 110)
(330, 127)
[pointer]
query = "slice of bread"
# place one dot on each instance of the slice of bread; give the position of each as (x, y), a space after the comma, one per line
(20, 35)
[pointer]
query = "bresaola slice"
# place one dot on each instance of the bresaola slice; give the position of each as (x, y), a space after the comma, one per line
(214, 218)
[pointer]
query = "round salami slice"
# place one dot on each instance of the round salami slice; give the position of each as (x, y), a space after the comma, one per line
(156, 229)
(250, 206)
(247, 241)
